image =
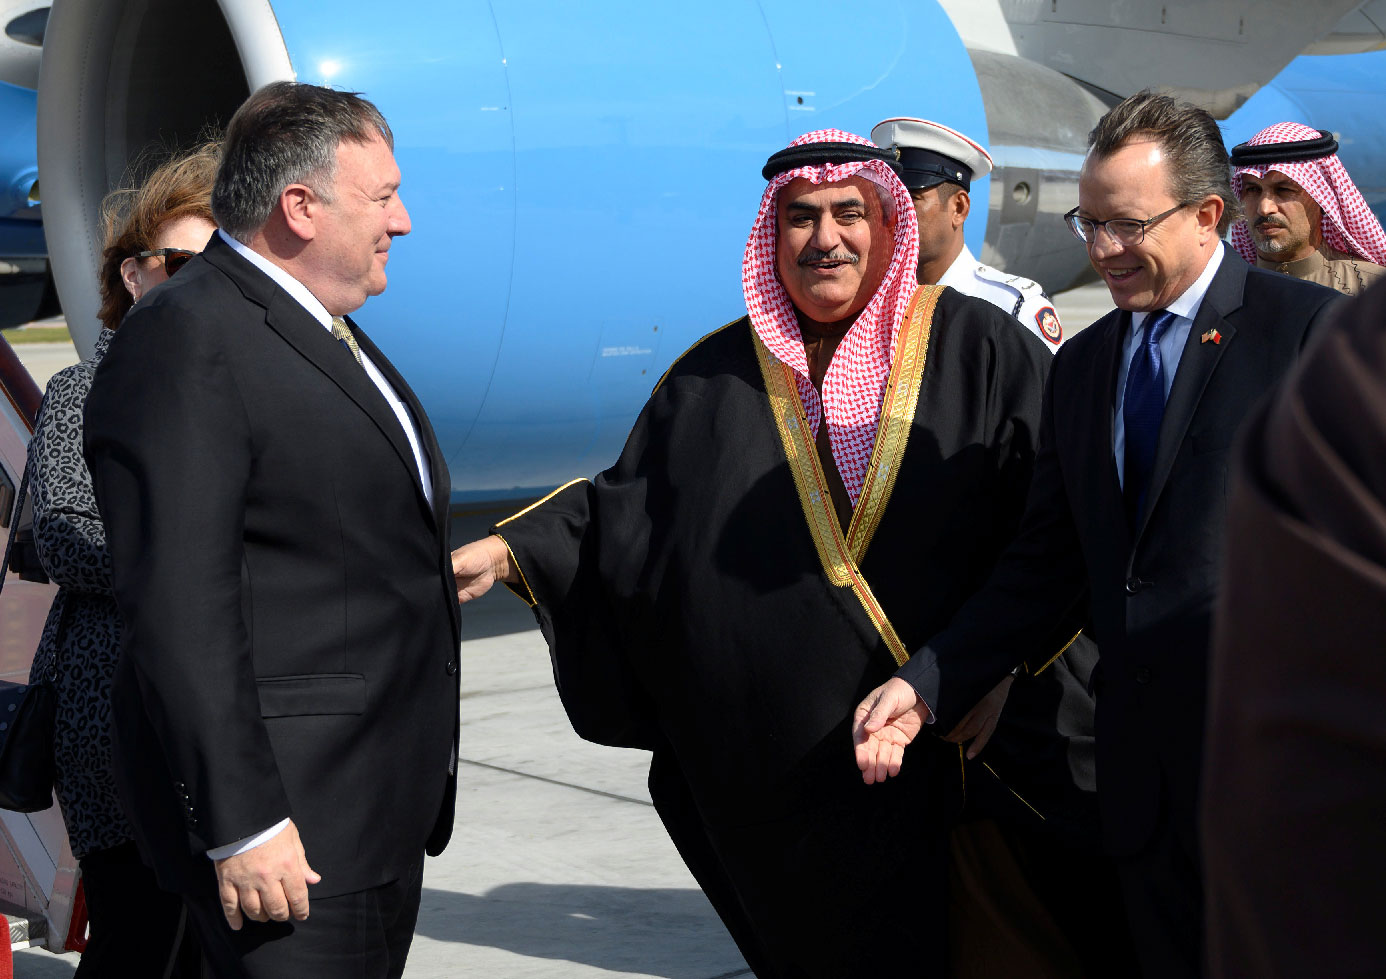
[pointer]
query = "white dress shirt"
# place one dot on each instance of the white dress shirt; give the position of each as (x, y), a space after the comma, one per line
(319, 312)
(1171, 346)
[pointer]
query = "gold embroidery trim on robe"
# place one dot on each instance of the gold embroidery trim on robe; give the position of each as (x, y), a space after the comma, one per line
(1050, 662)
(528, 594)
(1024, 801)
(839, 558)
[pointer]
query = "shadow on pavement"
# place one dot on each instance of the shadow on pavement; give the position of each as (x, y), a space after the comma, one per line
(666, 932)
(497, 613)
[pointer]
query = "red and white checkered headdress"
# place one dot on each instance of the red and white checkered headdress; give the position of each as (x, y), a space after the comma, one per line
(854, 386)
(1348, 224)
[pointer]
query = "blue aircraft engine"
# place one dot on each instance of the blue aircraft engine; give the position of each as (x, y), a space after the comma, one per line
(25, 293)
(1339, 93)
(18, 151)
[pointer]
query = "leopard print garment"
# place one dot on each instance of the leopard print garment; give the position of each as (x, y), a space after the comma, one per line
(82, 633)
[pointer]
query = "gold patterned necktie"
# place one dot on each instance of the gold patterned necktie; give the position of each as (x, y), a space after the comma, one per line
(342, 332)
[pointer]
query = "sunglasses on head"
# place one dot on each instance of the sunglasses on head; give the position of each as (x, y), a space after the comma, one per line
(174, 258)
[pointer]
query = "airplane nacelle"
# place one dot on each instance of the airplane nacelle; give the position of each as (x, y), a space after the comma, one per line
(25, 291)
(581, 177)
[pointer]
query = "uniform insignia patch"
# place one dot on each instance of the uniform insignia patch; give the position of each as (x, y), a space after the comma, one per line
(1048, 322)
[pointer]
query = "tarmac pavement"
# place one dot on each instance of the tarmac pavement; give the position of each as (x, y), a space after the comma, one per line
(558, 865)
(46, 359)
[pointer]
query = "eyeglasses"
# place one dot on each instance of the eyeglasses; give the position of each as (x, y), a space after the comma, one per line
(174, 258)
(1124, 231)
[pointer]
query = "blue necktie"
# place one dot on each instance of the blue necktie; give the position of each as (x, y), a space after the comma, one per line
(1143, 408)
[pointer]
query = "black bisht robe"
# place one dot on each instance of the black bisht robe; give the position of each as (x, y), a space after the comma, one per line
(687, 612)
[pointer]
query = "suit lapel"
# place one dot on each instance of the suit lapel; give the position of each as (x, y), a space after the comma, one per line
(306, 335)
(1109, 360)
(287, 317)
(1097, 441)
(1196, 366)
(438, 469)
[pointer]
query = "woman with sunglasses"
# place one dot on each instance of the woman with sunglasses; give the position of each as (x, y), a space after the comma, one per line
(136, 929)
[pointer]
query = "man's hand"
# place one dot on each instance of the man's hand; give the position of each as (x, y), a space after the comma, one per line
(883, 726)
(479, 565)
(980, 722)
(267, 882)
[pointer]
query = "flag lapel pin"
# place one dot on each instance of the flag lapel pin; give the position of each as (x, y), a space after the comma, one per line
(1213, 335)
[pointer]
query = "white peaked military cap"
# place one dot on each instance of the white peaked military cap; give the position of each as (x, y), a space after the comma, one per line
(931, 153)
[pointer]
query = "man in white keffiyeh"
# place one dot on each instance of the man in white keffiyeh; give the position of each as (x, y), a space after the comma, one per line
(1304, 215)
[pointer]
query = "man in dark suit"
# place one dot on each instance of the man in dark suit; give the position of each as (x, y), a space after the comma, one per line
(1127, 503)
(285, 708)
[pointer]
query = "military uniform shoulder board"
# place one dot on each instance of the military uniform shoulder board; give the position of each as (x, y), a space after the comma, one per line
(1018, 282)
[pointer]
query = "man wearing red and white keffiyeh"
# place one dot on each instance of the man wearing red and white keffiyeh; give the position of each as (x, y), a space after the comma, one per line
(816, 283)
(1304, 215)
(699, 603)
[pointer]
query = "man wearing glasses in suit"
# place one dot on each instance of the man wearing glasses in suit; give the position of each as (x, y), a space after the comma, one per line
(1127, 502)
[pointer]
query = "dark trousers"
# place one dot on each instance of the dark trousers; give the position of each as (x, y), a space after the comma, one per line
(1163, 891)
(135, 928)
(362, 935)
(1026, 906)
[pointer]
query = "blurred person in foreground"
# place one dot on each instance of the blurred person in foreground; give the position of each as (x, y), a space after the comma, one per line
(1294, 790)
(285, 705)
(1304, 215)
(810, 492)
(1127, 511)
(136, 928)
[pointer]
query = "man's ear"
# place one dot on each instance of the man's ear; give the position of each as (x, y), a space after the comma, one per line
(962, 207)
(1209, 213)
(300, 207)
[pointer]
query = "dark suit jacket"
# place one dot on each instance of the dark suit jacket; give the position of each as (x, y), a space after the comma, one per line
(1151, 588)
(291, 622)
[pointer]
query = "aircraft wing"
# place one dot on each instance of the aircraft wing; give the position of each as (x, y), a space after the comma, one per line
(1216, 53)
(21, 39)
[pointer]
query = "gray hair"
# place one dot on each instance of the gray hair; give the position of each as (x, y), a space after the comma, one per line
(286, 133)
(1191, 141)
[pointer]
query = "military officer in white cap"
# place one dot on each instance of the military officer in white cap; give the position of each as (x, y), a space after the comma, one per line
(937, 165)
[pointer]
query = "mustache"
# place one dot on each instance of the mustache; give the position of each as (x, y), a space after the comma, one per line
(812, 256)
(1272, 220)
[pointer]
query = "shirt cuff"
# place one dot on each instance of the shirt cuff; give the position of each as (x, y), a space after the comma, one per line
(249, 843)
(929, 718)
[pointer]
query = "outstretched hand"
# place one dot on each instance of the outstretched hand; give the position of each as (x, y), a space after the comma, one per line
(980, 722)
(479, 565)
(885, 723)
